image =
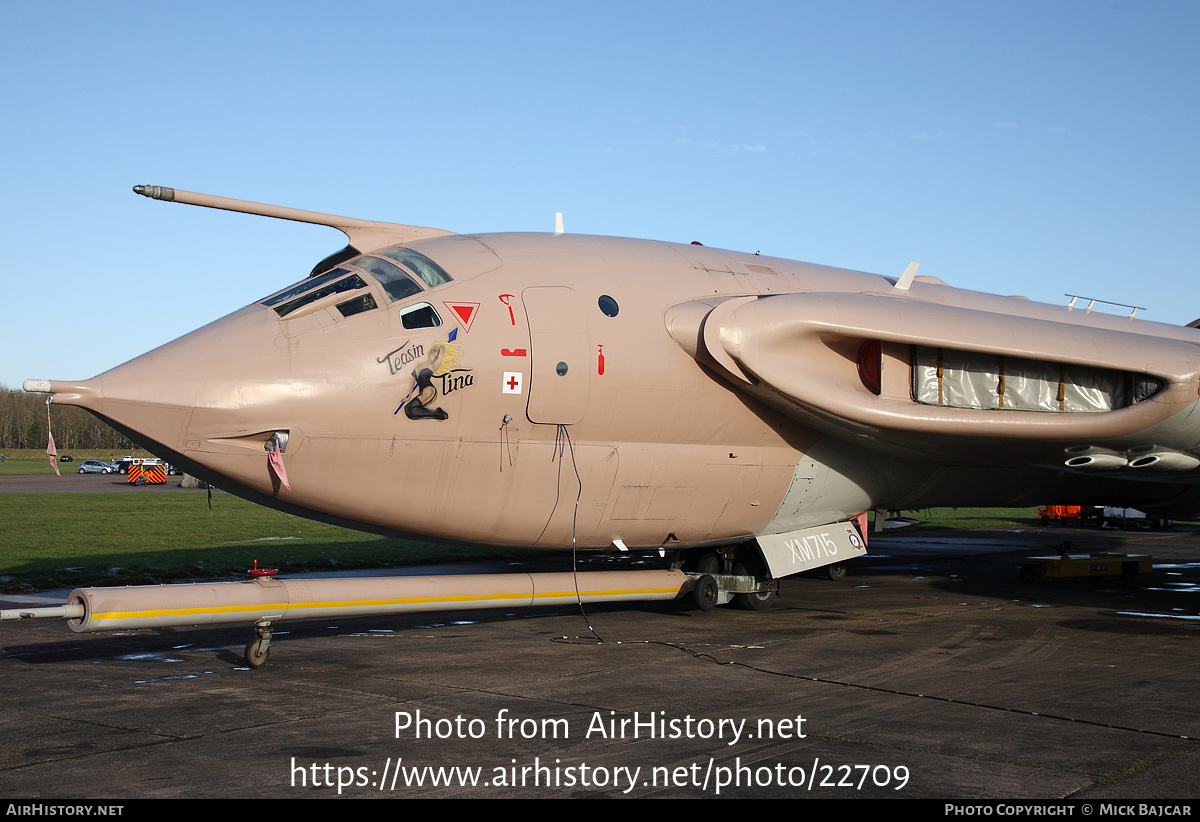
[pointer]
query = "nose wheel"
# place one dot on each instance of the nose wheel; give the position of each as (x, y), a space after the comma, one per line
(259, 648)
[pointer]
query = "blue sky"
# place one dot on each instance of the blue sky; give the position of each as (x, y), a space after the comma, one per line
(1030, 148)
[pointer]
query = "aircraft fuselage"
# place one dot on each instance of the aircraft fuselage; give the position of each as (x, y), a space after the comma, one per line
(561, 390)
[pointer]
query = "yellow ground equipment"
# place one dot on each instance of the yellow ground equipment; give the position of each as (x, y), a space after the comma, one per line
(1102, 564)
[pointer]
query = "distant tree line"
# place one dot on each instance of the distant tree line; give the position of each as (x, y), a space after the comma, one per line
(23, 425)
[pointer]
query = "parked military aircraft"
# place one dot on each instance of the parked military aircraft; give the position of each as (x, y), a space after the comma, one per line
(557, 390)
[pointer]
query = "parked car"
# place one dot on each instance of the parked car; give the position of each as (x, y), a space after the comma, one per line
(95, 467)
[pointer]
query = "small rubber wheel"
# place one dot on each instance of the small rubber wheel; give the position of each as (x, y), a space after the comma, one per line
(256, 653)
(836, 572)
(757, 601)
(705, 593)
(1030, 572)
(81, 471)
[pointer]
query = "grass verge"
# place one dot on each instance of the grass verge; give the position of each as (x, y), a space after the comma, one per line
(70, 540)
(26, 464)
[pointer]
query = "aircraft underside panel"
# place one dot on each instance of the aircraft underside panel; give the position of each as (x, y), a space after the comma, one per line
(835, 481)
(694, 493)
(583, 476)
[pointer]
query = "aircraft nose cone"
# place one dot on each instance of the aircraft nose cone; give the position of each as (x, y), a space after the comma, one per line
(214, 371)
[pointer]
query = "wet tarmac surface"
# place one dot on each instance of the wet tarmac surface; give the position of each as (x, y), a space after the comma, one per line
(930, 671)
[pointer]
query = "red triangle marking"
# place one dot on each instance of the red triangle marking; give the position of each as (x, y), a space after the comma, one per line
(463, 312)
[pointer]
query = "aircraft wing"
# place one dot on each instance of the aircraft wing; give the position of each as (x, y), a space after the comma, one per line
(935, 378)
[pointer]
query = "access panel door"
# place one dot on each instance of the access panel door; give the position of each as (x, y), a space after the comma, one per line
(559, 348)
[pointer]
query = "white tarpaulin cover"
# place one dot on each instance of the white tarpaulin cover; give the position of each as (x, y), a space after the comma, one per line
(968, 379)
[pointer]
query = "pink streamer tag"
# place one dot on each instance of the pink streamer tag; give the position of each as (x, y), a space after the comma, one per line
(52, 453)
(276, 462)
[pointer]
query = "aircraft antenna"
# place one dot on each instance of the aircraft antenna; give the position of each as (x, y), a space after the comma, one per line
(906, 279)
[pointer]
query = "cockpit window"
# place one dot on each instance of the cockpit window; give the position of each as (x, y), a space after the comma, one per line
(425, 268)
(399, 282)
(357, 305)
(350, 283)
(304, 285)
(420, 315)
(396, 283)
